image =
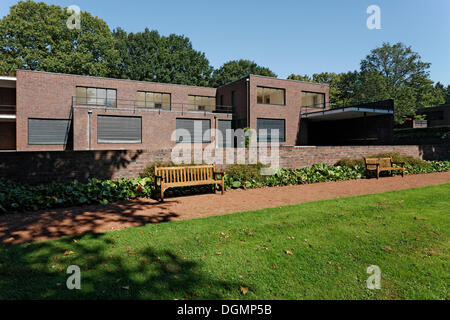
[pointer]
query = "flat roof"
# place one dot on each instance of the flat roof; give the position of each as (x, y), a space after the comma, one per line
(273, 78)
(345, 113)
(7, 82)
(8, 78)
(117, 79)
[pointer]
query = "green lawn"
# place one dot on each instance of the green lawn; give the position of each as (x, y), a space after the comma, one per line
(405, 233)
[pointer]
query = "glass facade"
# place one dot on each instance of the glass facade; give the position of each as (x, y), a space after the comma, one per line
(96, 96)
(202, 103)
(313, 99)
(272, 96)
(153, 100)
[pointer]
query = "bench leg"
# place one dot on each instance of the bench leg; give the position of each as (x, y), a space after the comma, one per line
(161, 199)
(223, 184)
(378, 174)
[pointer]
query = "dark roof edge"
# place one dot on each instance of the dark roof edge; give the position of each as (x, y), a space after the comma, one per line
(117, 79)
(267, 77)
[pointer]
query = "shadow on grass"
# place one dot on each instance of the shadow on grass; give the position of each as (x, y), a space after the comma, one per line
(109, 270)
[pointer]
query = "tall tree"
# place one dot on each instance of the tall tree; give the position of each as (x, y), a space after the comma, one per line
(147, 56)
(406, 77)
(35, 36)
(236, 69)
(444, 91)
(299, 77)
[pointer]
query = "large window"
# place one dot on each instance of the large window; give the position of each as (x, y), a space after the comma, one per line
(153, 100)
(313, 99)
(194, 130)
(271, 96)
(265, 127)
(202, 103)
(97, 96)
(48, 131)
(114, 129)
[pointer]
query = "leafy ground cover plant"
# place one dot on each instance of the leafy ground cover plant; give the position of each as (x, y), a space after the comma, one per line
(16, 197)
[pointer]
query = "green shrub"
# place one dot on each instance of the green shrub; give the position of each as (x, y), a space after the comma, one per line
(22, 197)
(248, 176)
(396, 157)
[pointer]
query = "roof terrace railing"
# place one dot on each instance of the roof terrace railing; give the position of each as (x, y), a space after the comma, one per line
(383, 105)
(139, 105)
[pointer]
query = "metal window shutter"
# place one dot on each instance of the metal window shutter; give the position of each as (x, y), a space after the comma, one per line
(189, 125)
(48, 131)
(112, 129)
(270, 124)
(223, 126)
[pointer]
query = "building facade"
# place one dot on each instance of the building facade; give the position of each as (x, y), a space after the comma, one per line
(42, 111)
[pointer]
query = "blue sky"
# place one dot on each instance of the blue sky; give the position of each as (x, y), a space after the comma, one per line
(288, 36)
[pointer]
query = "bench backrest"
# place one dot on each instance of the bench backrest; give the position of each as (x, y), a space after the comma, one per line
(372, 162)
(185, 174)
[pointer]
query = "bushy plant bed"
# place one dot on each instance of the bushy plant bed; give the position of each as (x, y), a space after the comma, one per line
(396, 157)
(239, 178)
(22, 197)
(412, 165)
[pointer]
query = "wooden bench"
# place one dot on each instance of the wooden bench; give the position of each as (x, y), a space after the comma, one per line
(382, 164)
(172, 177)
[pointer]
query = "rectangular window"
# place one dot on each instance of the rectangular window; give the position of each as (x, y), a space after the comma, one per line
(115, 129)
(313, 99)
(202, 103)
(266, 125)
(156, 100)
(96, 96)
(272, 96)
(48, 131)
(224, 127)
(194, 130)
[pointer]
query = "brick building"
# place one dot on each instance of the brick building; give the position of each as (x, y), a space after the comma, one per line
(42, 111)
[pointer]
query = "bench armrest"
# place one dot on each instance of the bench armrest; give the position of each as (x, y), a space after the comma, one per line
(401, 163)
(216, 173)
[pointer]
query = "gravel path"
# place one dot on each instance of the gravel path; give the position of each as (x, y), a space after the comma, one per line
(51, 224)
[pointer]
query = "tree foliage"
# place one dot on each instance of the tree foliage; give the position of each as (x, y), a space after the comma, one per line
(236, 69)
(444, 91)
(147, 56)
(388, 72)
(35, 36)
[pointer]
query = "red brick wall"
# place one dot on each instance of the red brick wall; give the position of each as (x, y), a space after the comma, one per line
(49, 95)
(291, 111)
(43, 167)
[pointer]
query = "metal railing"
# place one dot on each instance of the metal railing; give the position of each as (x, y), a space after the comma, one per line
(383, 105)
(7, 109)
(139, 105)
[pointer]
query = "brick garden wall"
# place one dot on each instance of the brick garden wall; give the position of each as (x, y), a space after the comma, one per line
(43, 167)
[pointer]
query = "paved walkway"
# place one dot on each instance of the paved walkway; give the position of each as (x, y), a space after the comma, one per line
(44, 225)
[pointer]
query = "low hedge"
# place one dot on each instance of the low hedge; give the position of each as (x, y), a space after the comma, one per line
(396, 157)
(412, 165)
(21, 197)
